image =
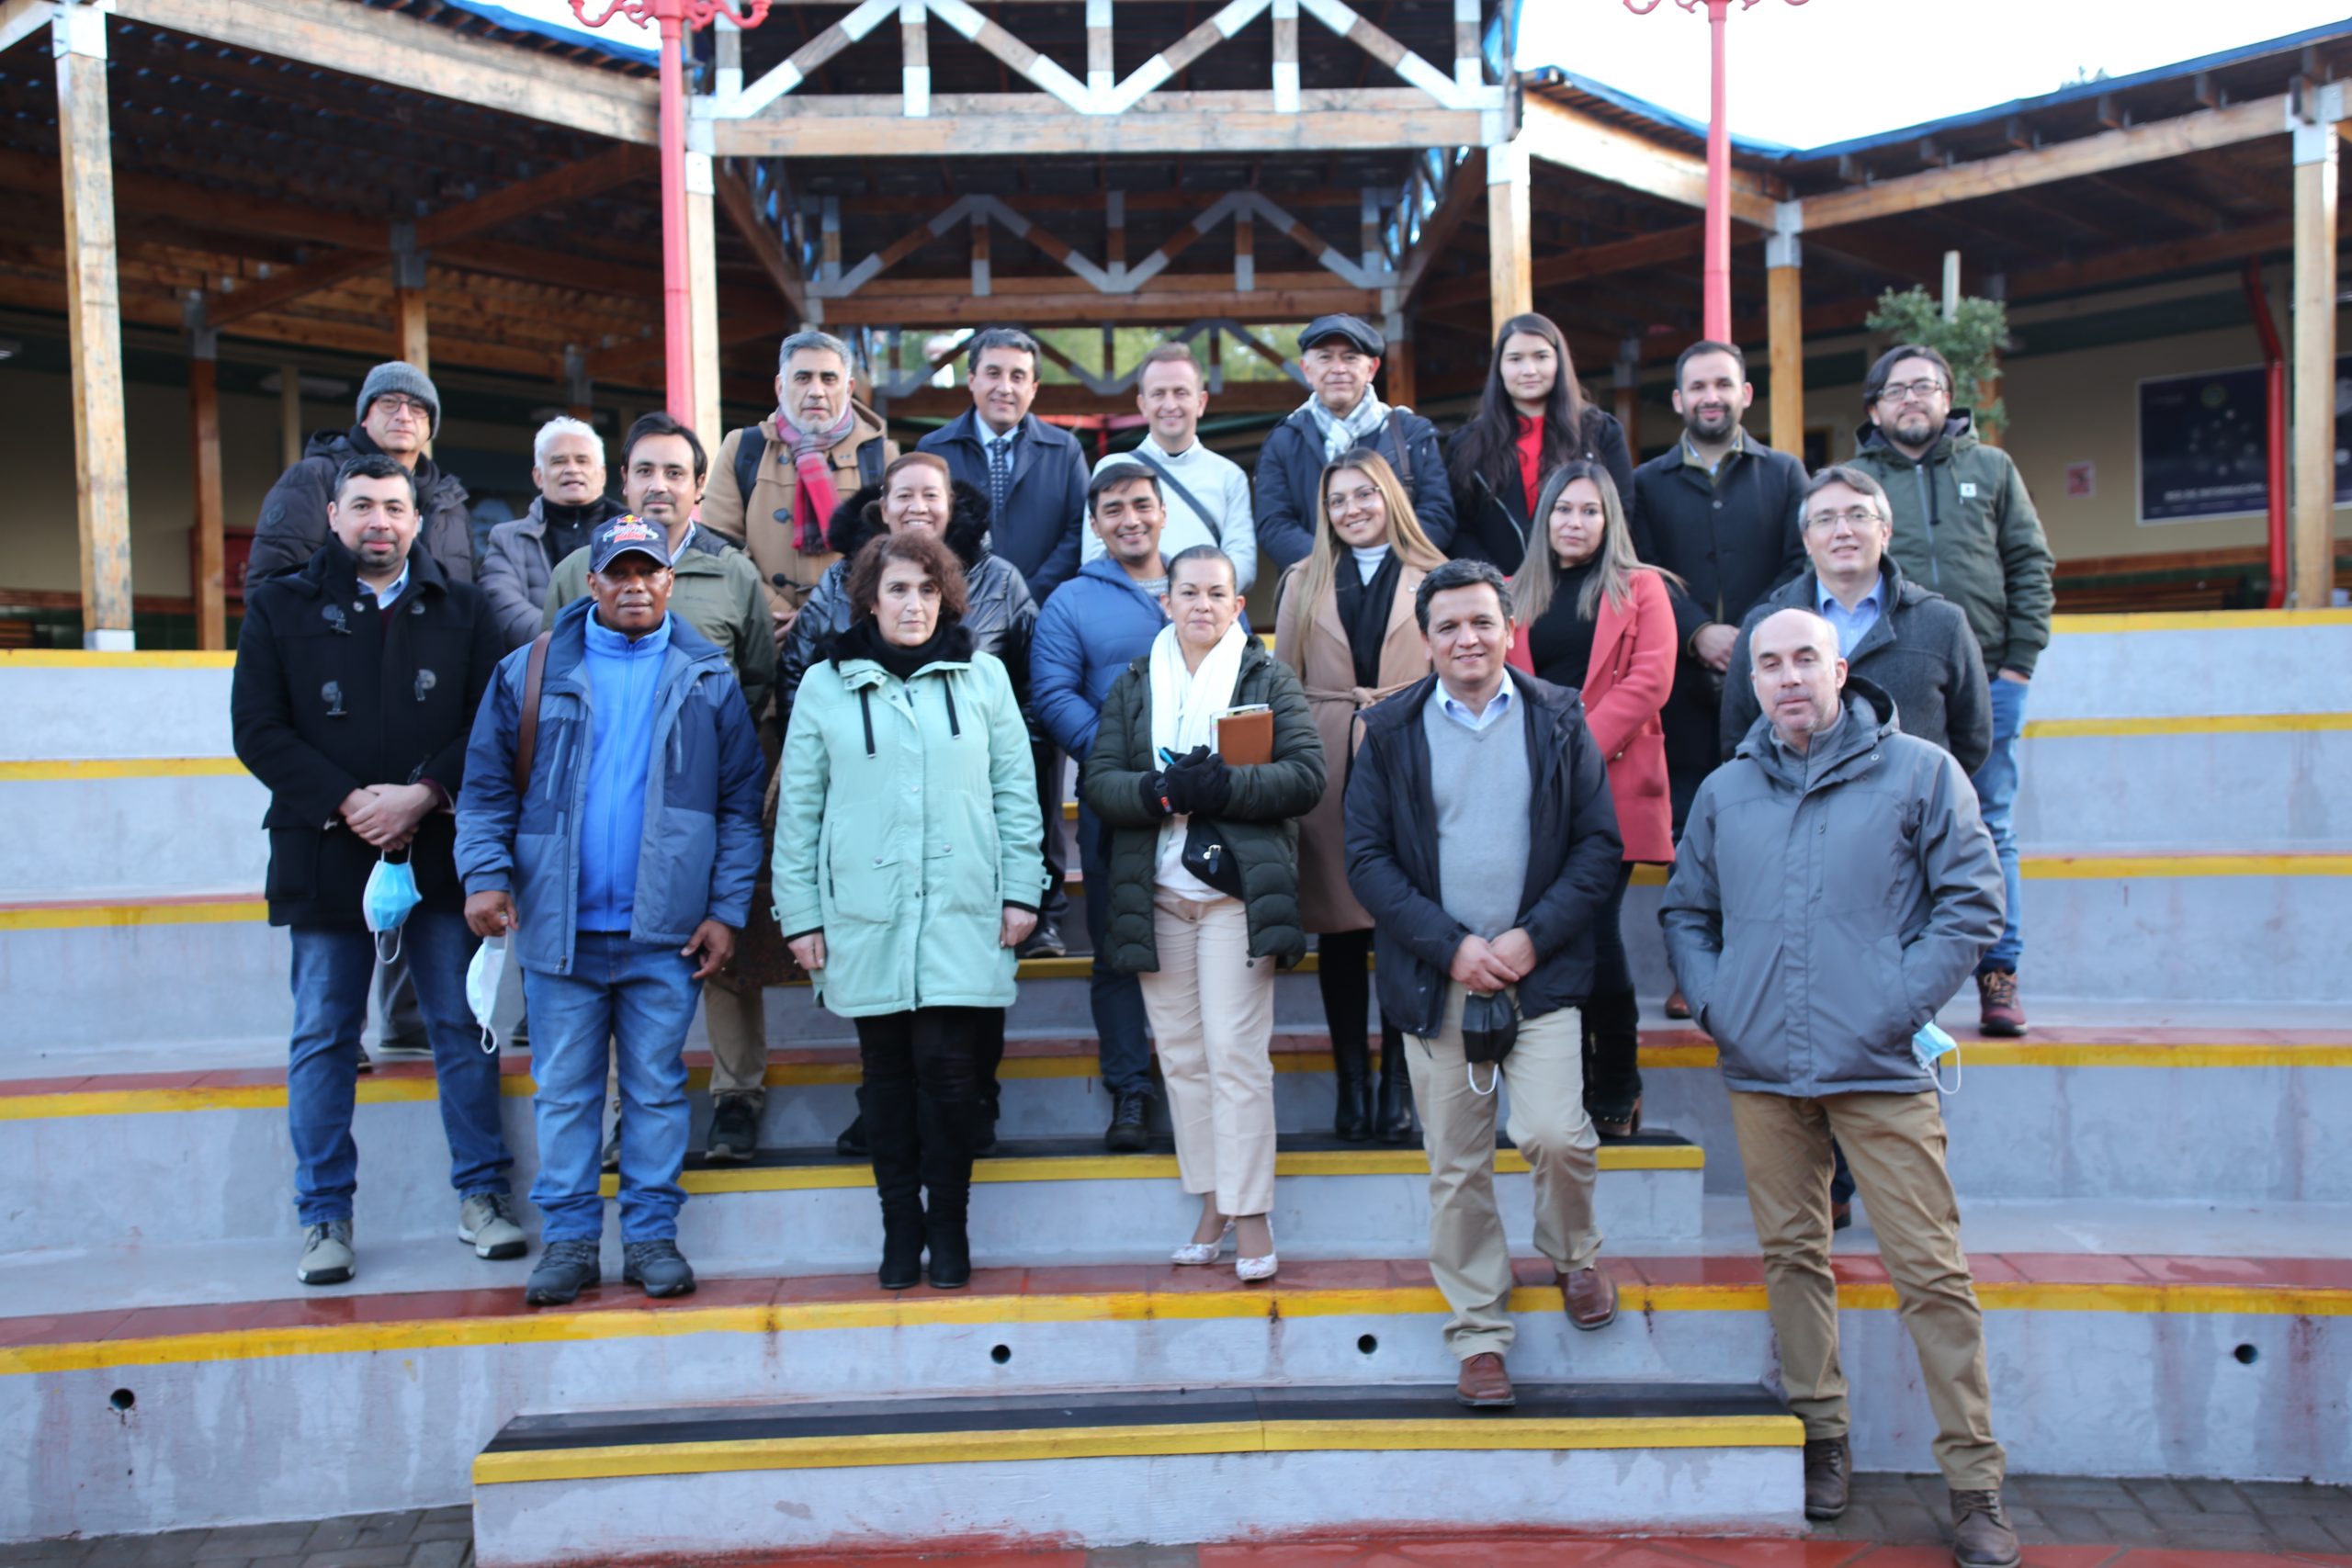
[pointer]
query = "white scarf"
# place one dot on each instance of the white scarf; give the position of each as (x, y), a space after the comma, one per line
(1184, 706)
(1359, 428)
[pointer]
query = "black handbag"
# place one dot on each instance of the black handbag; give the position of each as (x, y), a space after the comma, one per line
(1489, 1028)
(1210, 858)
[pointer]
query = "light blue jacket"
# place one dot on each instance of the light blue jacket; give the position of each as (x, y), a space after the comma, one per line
(701, 847)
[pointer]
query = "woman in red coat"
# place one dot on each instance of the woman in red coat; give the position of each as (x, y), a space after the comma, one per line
(1591, 615)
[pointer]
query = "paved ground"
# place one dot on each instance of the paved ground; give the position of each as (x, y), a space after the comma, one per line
(2067, 1522)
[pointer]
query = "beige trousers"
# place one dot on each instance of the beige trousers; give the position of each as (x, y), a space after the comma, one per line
(1212, 1012)
(1894, 1146)
(1469, 1256)
(738, 1026)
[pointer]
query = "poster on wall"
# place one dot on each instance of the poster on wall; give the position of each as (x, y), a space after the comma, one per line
(2202, 440)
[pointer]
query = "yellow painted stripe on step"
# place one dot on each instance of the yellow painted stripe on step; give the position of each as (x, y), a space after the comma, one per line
(2088, 868)
(1538, 1432)
(931, 1311)
(69, 659)
(232, 910)
(2198, 621)
(623, 1459)
(2187, 724)
(75, 770)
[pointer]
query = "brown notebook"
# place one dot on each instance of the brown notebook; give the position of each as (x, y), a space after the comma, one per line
(1245, 734)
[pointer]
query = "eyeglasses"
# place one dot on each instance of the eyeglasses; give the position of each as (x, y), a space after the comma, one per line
(1895, 391)
(1861, 519)
(392, 402)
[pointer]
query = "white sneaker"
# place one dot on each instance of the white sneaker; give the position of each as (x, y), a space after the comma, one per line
(486, 1222)
(327, 1258)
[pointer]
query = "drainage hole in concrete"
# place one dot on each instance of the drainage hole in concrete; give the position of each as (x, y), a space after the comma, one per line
(1001, 1354)
(2247, 1355)
(1367, 1344)
(122, 1399)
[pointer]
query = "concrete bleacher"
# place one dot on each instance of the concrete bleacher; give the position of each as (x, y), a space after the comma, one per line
(2156, 1191)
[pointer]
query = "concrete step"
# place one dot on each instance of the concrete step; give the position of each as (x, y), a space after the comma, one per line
(2148, 1339)
(1131, 1467)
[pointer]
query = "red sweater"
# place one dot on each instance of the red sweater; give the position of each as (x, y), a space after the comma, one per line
(1531, 463)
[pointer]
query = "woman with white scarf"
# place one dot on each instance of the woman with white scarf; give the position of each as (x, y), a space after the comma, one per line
(1204, 889)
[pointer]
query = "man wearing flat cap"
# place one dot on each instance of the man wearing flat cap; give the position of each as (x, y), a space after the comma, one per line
(1339, 355)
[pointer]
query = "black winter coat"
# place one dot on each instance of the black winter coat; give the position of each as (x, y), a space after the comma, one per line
(1573, 855)
(1732, 545)
(1284, 491)
(998, 614)
(331, 696)
(1047, 506)
(1259, 824)
(294, 513)
(1490, 508)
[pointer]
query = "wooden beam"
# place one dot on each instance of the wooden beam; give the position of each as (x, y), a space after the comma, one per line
(20, 19)
(233, 212)
(1784, 318)
(1594, 146)
(2201, 131)
(383, 45)
(94, 321)
(953, 307)
(1466, 186)
(273, 292)
(734, 196)
(206, 539)
(1510, 284)
(2312, 527)
(1355, 120)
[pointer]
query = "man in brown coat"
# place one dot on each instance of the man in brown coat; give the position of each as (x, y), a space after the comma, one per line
(820, 445)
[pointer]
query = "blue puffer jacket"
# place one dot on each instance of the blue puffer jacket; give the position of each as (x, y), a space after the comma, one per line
(1093, 628)
(701, 848)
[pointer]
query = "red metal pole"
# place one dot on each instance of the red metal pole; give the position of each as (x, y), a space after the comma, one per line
(676, 318)
(1716, 279)
(2274, 365)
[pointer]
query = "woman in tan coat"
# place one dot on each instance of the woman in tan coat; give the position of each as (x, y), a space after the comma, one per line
(1343, 619)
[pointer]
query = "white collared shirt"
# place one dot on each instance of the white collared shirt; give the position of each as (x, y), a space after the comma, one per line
(1498, 706)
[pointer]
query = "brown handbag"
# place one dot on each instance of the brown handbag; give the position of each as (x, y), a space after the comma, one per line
(527, 738)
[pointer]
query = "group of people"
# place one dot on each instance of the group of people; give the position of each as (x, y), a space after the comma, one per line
(808, 705)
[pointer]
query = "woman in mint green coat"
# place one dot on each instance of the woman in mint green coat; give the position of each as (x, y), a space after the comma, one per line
(908, 864)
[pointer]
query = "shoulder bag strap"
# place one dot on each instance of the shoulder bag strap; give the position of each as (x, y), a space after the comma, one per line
(1404, 450)
(1216, 529)
(527, 738)
(749, 453)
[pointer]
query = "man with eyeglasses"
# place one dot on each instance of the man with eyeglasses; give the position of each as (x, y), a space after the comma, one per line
(399, 412)
(1964, 525)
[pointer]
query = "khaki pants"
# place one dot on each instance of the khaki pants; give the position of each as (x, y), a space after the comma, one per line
(738, 1026)
(1212, 1012)
(1894, 1146)
(1468, 1257)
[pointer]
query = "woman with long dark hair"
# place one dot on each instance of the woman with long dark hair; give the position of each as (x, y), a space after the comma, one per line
(1591, 615)
(1532, 418)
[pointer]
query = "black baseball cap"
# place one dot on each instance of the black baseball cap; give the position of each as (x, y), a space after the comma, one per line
(1359, 334)
(626, 533)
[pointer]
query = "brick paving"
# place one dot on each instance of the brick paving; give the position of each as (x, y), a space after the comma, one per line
(2081, 1521)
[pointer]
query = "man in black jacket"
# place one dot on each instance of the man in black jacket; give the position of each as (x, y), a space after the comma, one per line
(354, 697)
(1339, 355)
(1718, 509)
(399, 412)
(1482, 840)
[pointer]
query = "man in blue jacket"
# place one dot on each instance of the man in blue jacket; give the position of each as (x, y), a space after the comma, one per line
(1035, 477)
(621, 873)
(1095, 626)
(1339, 355)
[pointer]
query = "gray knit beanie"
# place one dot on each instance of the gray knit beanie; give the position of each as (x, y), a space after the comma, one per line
(399, 376)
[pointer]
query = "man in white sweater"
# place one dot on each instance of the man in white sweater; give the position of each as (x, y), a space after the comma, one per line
(1207, 495)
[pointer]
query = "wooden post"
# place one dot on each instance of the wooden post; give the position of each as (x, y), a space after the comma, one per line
(289, 414)
(1285, 79)
(702, 282)
(1245, 252)
(1627, 388)
(1115, 234)
(1397, 372)
(1102, 78)
(579, 393)
(93, 322)
(2311, 543)
(1510, 280)
(412, 339)
(1784, 313)
(205, 545)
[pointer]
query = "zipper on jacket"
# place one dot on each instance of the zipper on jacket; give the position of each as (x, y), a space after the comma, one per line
(866, 708)
(1928, 500)
(947, 690)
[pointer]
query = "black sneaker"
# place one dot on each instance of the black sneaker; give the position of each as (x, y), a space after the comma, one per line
(658, 1266)
(850, 1144)
(566, 1269)
(734, 1130)
(1129, 1134)
(1045, 941)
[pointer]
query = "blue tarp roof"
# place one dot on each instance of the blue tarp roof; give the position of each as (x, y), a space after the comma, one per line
(610, 40)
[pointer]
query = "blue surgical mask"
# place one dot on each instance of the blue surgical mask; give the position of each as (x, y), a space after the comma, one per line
(391, 894)
(1930, 1046)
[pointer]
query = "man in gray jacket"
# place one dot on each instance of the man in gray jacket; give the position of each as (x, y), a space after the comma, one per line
(1834, 887)
(568, 465)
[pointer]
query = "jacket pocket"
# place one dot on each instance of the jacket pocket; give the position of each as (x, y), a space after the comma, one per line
(1865, 1010)
(861, 885)
(293, 865)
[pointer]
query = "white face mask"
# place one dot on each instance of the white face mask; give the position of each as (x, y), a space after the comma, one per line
(482, 978)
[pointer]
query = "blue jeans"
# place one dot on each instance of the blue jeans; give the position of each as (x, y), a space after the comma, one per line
(332, 968)
(1996, 798)
(632, 1001)
(1117, 999)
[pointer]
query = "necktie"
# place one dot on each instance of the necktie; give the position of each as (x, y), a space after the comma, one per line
(1000, 473)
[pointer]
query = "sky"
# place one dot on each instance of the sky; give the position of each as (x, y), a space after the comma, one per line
(1837, 69)
(1834, 69)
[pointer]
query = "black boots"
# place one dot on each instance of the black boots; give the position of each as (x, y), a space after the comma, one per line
(1351, 1066)
(1393, 1115)
(901, 1249)
(1612, 1074)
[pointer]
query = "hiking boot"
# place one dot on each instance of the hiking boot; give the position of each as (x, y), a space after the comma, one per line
(566, 1269)
(850, 1144)
(1128, 1134)
(327, 1258)
(486, 1222)
(1045, 941)
(1998, 1011)
(734, 1130)
(658, 1266)
(1981, 1536)
(1829, 1466)
(1484, 1384)
(1591, 1298)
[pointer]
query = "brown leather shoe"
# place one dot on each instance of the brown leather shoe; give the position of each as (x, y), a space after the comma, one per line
(1981, 1536)
(1828, 1464)
(1483, 1386)
(1998, 1011)
(1590, 1297)
(1676, 1007)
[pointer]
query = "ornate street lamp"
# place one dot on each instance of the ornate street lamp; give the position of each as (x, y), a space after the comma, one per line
(1717, 275)
(676, 18)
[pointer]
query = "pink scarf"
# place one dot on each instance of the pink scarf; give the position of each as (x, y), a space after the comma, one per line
(814, 502)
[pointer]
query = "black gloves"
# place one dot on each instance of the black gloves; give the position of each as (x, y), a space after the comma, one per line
(1154, 789)
(1199, 781)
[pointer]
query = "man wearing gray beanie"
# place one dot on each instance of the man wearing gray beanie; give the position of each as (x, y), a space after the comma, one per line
(399, 412)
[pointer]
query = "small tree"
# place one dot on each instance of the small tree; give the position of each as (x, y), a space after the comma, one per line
(1972, 340)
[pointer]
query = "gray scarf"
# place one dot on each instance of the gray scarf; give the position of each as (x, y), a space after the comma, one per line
(1342, 436)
